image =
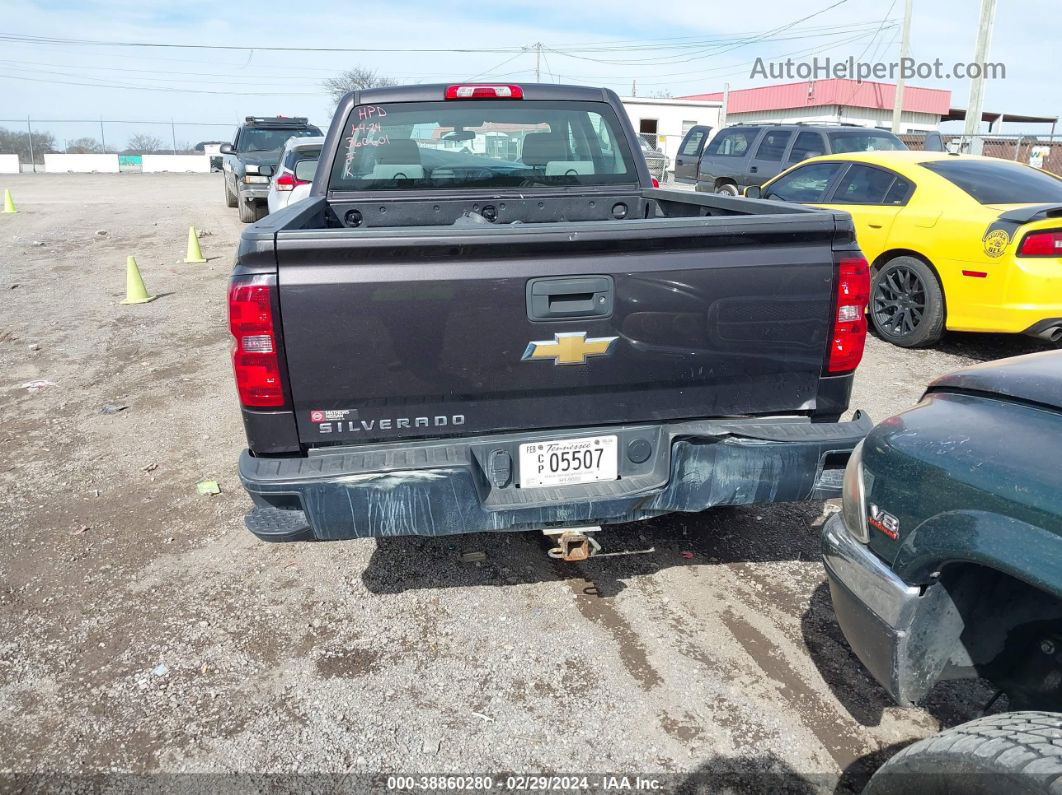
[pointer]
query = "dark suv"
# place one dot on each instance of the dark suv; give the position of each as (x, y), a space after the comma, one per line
(249, 161)
(750, 154)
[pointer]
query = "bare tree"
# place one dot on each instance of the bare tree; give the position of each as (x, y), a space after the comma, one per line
(14, 142)
(355, 79)
(84, 146)
(142, 143)
(660, 94)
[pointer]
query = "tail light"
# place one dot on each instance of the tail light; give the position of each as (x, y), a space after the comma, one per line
(287, 182)
(656, 182)
(254, 353)
(484, 91)
(1042, 244)
(850, 315)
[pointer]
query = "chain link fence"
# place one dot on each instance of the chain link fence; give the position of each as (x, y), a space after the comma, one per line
(1039, 151)
(654, 150)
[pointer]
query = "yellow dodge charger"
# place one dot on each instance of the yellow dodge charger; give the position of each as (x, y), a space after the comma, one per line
(954, 241)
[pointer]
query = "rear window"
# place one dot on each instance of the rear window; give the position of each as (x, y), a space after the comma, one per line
(295, 155)
(863, 141)
(693, 143)
(998, 181)
(482, 144)
(732, 143)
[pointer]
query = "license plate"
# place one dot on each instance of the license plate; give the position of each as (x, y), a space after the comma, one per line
(565, 462)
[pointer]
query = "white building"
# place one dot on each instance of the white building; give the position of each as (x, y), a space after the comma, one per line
(664, 122)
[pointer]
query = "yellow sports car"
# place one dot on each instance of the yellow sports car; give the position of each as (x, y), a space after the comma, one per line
(954, 241)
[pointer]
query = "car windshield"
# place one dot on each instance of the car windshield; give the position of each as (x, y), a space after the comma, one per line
(301, 153)
(864, 141)
(482, 144)
(997, 181)
(261, 139)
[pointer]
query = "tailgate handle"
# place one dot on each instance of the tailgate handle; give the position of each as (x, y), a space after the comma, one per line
(575, 297)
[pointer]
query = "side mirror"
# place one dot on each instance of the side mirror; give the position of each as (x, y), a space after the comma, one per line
(267, 171)
(225, 149)
(305, 170)
(753, 192)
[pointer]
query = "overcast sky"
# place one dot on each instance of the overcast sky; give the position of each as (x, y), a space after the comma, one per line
(64, 81)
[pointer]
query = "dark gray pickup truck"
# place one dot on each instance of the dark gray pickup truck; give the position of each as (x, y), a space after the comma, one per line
(483, 317)
(249, 161)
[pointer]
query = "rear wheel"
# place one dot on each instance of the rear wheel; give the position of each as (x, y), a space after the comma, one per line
(906, 303)
(230, 197)
(251, 211)
(1018, 753)
(727, 189)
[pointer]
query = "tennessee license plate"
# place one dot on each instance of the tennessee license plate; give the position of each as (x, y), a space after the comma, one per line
(566, 462)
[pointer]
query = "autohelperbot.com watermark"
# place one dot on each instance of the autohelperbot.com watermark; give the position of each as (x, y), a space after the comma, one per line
(851, 69)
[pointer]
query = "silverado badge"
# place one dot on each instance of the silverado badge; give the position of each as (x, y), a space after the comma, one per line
(569, 347)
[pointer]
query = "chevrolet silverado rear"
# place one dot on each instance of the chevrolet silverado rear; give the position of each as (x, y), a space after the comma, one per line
(484, 317)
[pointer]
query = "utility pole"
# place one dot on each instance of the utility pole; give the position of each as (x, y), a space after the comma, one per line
(103, 139)
(726, 102)
(977, 84)
(33, 160)
(905, 50)
(538, 61)
(634, 88)
(173, 135)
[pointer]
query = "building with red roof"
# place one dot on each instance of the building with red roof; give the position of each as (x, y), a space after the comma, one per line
(834, 100)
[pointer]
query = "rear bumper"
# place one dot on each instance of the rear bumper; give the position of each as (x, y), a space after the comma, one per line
(442, 487)
(1049, 329)
(876, 610)
(1023, 296)
(253, 193)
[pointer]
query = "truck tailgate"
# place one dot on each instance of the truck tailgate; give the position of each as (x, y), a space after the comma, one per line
(399, 333)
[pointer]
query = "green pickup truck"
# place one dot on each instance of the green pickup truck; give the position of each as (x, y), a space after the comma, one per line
(946, 563)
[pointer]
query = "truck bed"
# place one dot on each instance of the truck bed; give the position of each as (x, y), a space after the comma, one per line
(417, 322)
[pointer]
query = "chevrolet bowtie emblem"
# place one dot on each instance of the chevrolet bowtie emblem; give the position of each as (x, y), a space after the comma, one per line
(569, 347)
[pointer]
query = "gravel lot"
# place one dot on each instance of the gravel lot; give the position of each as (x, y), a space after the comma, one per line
(143, 630)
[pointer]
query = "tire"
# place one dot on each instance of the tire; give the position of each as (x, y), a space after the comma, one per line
(907, 304)
(1016, 753)
(727, 189)
(251, 211)
(230, 197)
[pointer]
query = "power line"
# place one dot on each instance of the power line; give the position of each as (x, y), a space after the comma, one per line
(721, 71)
(121, 121)
(718, 71)
(168, 88)
(493, 68)
(184, 46)
(733, 36)
(706, 52)
(873, 39)
(650, 44)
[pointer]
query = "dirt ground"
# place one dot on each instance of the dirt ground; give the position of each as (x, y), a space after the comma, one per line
(143, 630)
